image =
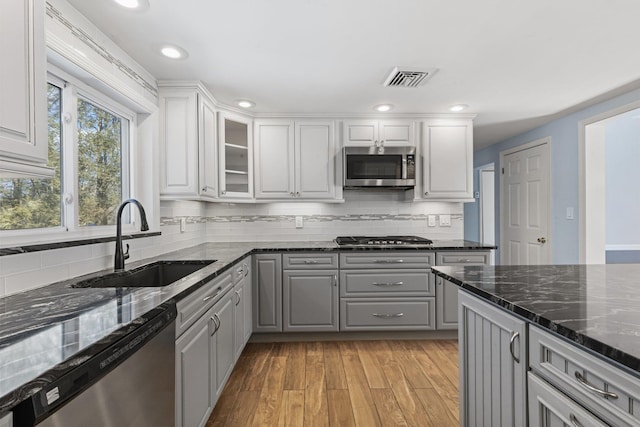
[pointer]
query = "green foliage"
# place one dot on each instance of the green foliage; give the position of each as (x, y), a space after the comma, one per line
(99, 164)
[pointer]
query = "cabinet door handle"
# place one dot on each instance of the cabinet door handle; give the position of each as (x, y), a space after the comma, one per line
(512, 341)
(297, 194)
(388, 284)
(204, 189)
(388, 261)
(335, 280)
(387, 316)
(218, 290)
(426, 193)
(238, 294)
(217, 322)
(224, 192)
(245, 267)
(291, 194)
(582, 380)
(574, 421)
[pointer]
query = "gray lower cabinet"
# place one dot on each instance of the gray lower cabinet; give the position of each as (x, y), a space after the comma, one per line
(194, 374)
(310, 300)
(387, 291)
(493, 365)
(242, 306)
(447, 292)
(222, 342)
(267, 293)
(550, 408)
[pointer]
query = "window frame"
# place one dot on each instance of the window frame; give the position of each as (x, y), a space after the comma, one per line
(72, 90)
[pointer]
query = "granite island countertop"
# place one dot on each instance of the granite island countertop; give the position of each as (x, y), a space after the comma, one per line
(595, 306)
(45, 332)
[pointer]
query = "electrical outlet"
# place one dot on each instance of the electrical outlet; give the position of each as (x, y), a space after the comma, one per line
(299, 222)
(445, 220)
(183, 224)
(431, 220)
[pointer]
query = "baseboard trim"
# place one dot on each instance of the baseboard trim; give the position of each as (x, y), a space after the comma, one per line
(352, 336)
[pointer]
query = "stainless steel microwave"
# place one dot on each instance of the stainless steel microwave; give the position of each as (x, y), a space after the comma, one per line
(383, 167)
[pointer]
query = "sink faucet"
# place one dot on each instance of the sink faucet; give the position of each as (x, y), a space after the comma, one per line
(120, 256)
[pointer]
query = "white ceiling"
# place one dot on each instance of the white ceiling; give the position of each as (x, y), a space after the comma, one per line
(517, 63)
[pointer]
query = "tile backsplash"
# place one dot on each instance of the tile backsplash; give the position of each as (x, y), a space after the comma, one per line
(362, 213)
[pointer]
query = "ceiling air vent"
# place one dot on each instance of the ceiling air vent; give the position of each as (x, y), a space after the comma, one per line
(409, 77)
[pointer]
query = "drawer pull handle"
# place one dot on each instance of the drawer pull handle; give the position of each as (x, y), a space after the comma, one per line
(574, 421)
(387, 316)
(388, 284)
(588, 386)
(205, 299)
(388, 261)
(308, 261)
(512, 341)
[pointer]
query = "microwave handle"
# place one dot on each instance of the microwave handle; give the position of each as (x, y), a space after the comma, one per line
(404, 167)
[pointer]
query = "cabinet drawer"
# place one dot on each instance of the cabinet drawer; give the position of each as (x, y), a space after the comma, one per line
(196, 304)
(578, 374)
(371, 314)
(309, 261)
(386, 260)
(462, 258)
(547, 406)
(386, 283)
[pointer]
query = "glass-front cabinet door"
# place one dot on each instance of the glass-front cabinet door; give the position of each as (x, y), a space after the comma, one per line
(236, 161)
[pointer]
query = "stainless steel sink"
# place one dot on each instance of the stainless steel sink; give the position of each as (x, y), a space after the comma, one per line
(157, 274)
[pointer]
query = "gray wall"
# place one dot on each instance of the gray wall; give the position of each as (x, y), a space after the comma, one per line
(564, 175)
(622, 180)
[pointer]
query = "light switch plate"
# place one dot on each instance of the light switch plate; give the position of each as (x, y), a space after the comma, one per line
(445, 220)
(299, 222)
(570, 213)
(431, 220)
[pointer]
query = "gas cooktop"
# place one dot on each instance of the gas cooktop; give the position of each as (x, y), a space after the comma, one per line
(382, 241)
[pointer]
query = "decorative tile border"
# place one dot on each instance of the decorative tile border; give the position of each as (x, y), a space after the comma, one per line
(306, 218)
(100, 50)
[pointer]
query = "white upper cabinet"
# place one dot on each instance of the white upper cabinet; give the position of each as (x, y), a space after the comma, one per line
(23, 84)
(387, 133)
(446, 154)
(295, 160)
(236, 161)
(188, 144)
(314, 154)
(208, 150)
(275, 159)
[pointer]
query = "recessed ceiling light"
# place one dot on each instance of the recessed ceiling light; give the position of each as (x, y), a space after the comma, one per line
(244, 103)
(383, 107)
(133, 4)
(458, 107)
(173, 52)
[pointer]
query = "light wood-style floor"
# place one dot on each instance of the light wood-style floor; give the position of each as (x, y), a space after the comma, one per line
(349, 383)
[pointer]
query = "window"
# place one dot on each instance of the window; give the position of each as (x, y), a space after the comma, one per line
(90, 156)
(37, 203)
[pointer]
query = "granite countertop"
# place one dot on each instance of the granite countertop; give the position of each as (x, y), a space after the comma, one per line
(595, 306)
(46, 332)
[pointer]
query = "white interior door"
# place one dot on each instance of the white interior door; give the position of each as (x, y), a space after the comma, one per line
(525, 205)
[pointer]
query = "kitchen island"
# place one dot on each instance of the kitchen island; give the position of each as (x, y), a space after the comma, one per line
(39, 338)
(532, 335)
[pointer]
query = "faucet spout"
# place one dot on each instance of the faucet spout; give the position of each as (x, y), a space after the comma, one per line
(120, 256)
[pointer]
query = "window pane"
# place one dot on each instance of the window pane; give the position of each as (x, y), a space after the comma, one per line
(36, 203)
(101, 148)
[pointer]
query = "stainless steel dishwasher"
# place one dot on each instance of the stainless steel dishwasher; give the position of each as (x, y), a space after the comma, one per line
(138, 388)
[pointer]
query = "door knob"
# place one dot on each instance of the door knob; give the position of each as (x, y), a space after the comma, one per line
(542, 240)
